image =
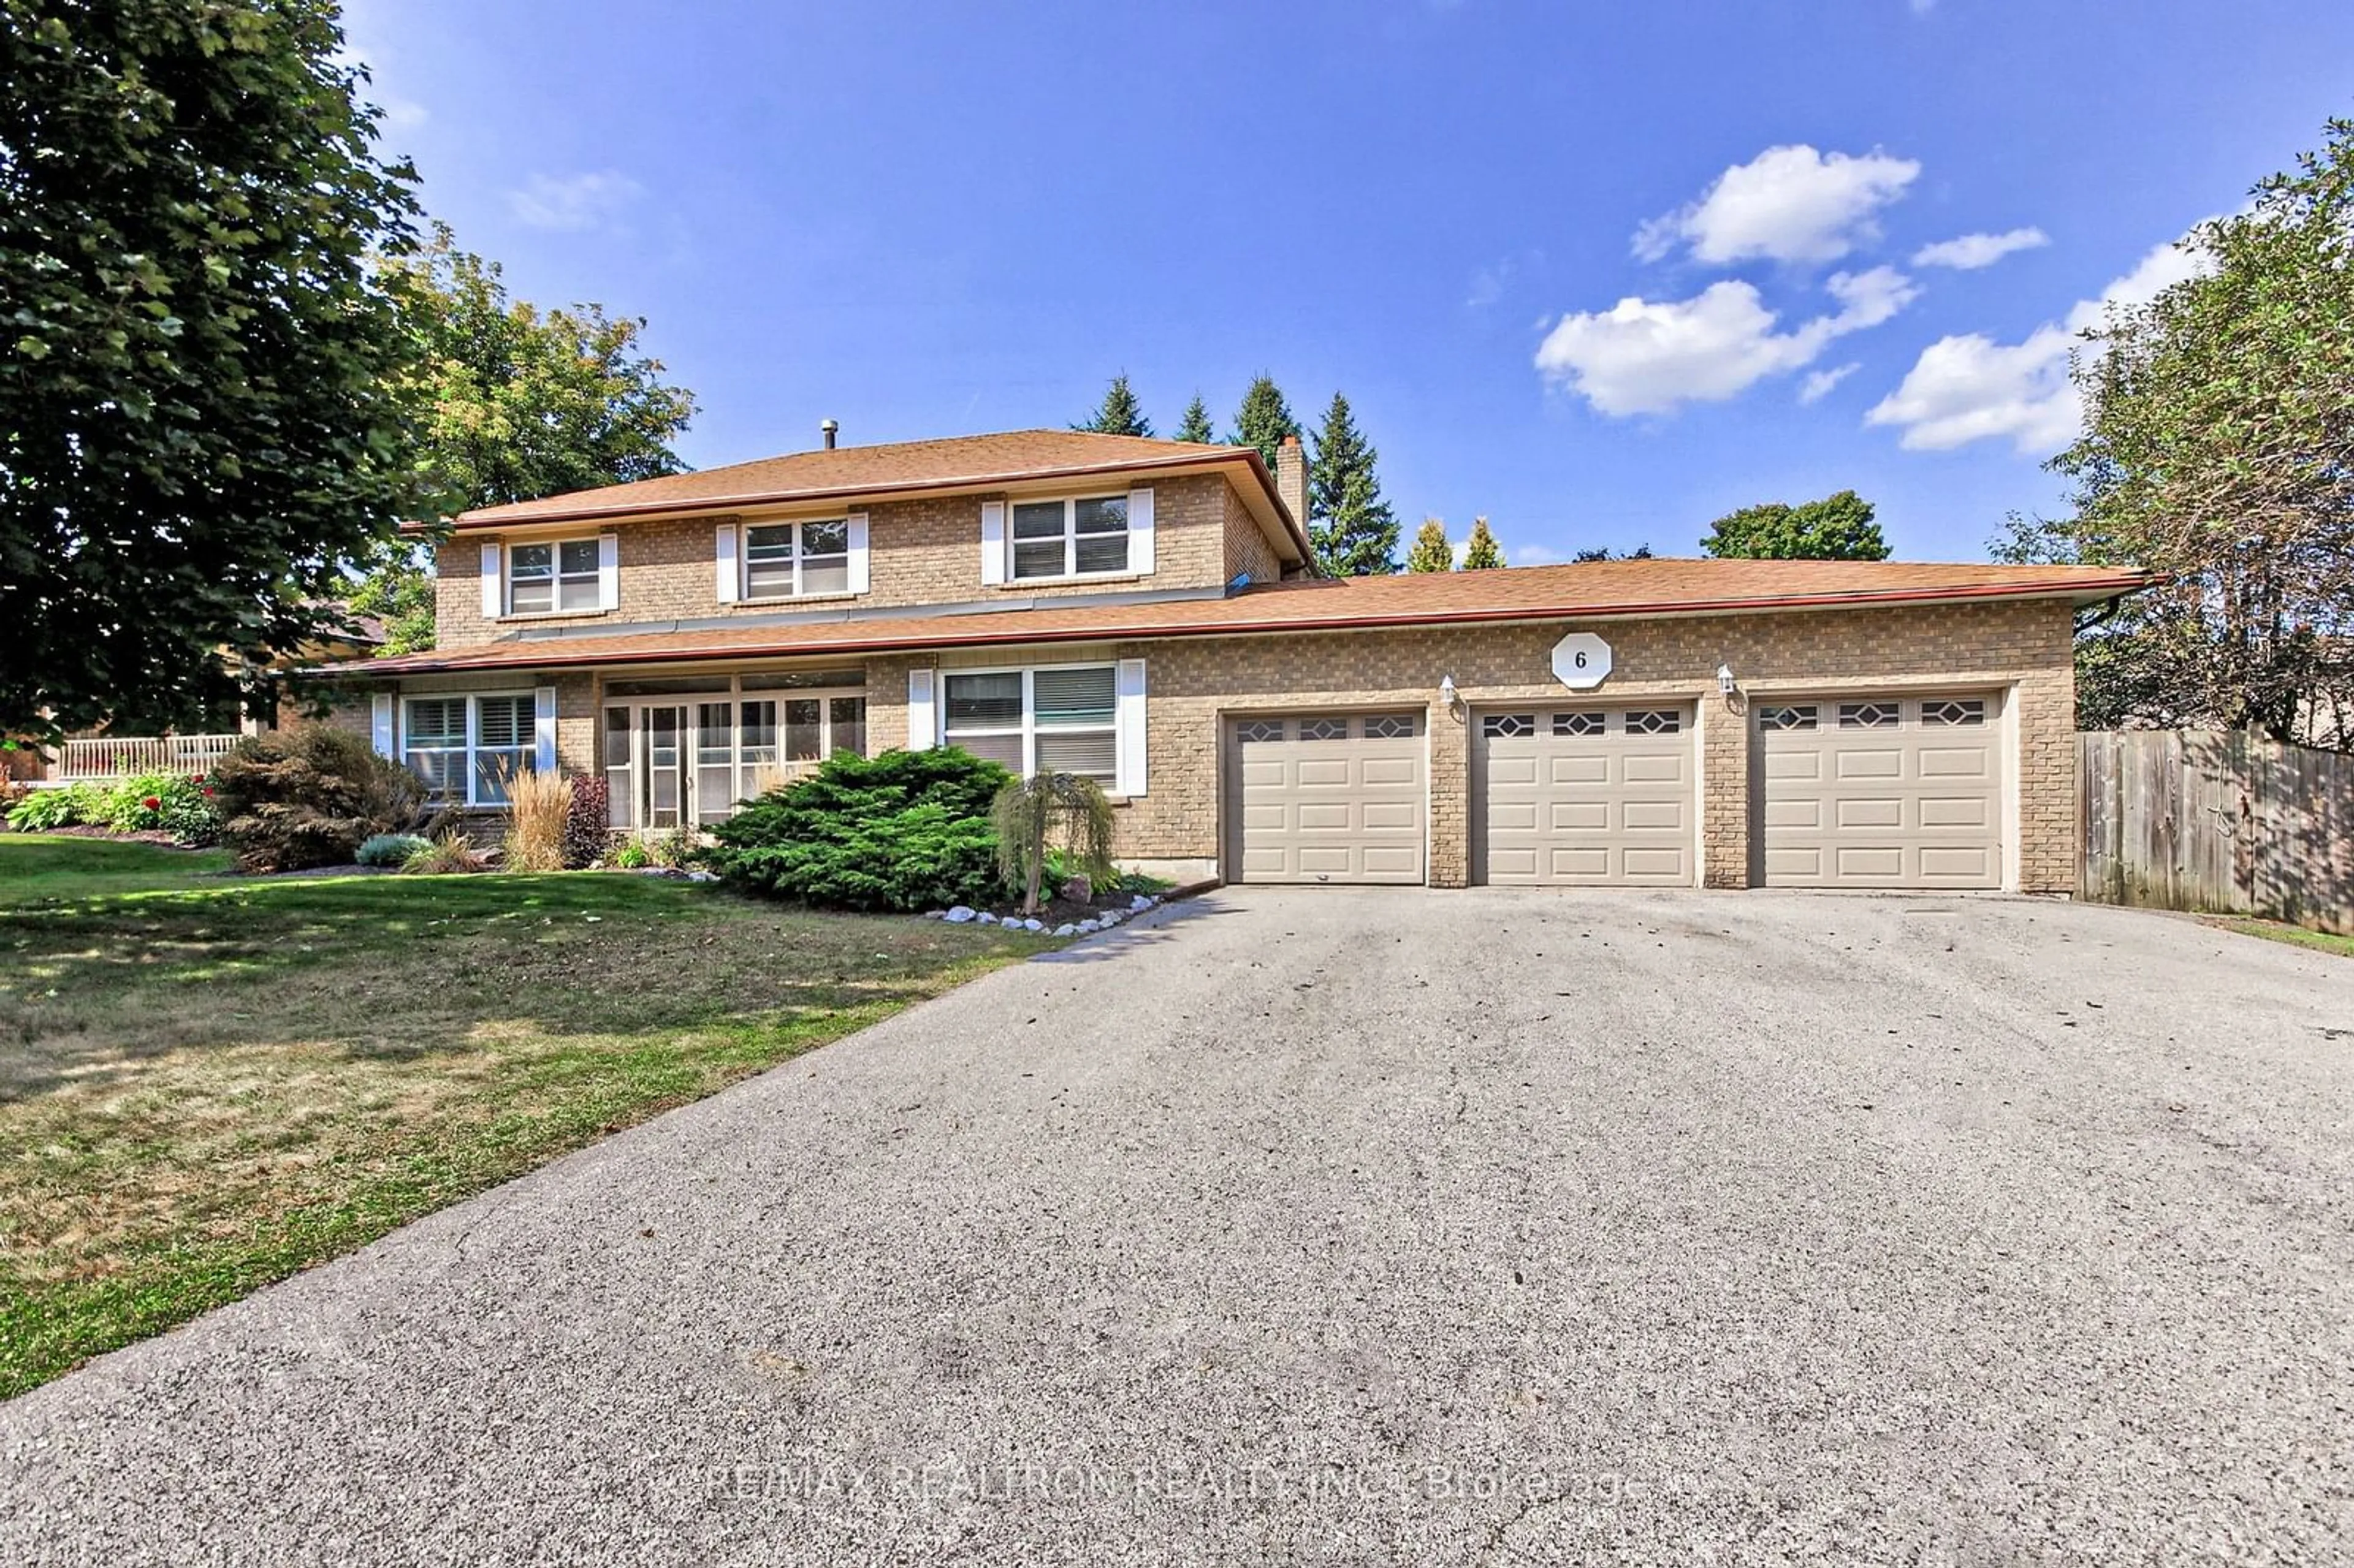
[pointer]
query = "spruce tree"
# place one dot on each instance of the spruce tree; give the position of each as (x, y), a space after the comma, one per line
(1431, 552)
(1264, 419)
(1195, 426)
(1353, 530)
(1120, 414)
(1482, 552)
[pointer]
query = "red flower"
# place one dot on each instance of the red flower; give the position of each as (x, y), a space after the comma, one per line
(208, 790)
(152, 803)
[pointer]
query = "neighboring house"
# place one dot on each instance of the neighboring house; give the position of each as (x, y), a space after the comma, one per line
(1144, 612)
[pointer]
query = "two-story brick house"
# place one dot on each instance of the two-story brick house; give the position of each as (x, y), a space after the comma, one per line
(1146, 612)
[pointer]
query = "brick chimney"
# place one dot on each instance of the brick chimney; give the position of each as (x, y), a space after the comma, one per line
(1291, 477)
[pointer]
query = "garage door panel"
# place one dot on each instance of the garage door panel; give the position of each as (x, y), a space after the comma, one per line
(1329, 798)
(1881, 793)
(1869, 813)
(1578, 796)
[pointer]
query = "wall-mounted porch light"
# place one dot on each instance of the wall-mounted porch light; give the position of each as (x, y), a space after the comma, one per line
(1448, 696)
(1725, 683)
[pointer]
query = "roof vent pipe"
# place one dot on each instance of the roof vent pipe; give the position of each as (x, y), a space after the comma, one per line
(829, 429)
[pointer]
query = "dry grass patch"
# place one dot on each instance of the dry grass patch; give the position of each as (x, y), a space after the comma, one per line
(207, 1088)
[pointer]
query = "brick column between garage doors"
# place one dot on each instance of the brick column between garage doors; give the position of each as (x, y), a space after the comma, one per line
(1450, 796)
(1724, 790)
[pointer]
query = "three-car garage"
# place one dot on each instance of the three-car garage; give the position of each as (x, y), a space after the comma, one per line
(1872, 791)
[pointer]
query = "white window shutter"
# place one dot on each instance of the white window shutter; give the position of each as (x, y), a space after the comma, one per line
(923, 728)
(1139, 530)
(861, 574)
(542, 728)
(725, 581)
(992, 543)
(380, 724)
(608, 571)
(1129, 774)
(494, 601)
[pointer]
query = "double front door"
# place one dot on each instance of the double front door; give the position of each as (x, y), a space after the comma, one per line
(686, 762)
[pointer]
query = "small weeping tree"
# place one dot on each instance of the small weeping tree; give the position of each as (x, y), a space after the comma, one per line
(1047, 811)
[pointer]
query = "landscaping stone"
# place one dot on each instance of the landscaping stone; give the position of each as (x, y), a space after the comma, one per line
(1065, 929)
(936, 914)
(1141, 902)
(963, 915)
(1087, 927)
(986, 918)
(1034, 925)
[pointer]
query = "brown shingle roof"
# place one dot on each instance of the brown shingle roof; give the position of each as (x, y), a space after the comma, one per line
(1595, 590)
(955, 462)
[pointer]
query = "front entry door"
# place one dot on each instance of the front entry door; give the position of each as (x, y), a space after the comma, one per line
(663, 765)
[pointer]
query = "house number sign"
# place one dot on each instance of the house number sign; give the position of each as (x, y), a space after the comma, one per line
(1581, 660)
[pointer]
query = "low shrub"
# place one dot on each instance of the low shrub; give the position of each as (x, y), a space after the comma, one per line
(588, 826)
(309, 796)
(46, 810)
(174, 803)
(539, 808)
(394, 850)
(444, 856)
(905, 830)
(632, 855)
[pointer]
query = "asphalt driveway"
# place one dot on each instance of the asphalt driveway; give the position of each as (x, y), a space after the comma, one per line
(1356, 1227)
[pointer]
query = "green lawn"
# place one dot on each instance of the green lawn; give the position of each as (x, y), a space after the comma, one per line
(2295, 935)
(209, 1081)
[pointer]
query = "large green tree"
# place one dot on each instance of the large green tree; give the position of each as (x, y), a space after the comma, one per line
(1195, 426)
(1431, 552)
(1480, 551)
(1263, 419)
(203, 412)
(1838, 527)
(1119, 414)
(519, 403)
(2218, 449)
(1353, 530)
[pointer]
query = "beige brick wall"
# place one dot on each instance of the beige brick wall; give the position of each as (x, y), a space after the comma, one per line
(1194, 682)
(922, 552)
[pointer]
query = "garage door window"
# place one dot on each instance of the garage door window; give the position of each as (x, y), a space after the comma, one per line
(1390, 726)
(1504, 727)
(1954, 711)
(1575, 724)
(1801, 717)
(1661, 721)
(1867, 715)
(1324, 730)
(1257, 732)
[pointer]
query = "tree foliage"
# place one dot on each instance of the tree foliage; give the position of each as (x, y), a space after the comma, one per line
(1195, 426)
(1353, 530)
(1119, 414)
(519, 403)
(2218, 449)
(1480, 552)
(1431, 552)
(1046, 811)
(203, 386)
(1838, 527)
(1605, 553)
(1263, 419)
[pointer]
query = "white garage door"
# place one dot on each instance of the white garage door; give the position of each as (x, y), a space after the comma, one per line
(1881, 793)
(1329, 798)
(1602, 796)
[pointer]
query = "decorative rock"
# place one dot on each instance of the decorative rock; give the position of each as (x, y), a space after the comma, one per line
(1067, 930)
(1079, 890)
(1034, 925)
(936, 914)
(1111, 917)
(986, 918)
(1088, 927)
(959, 916)
(1140, 903)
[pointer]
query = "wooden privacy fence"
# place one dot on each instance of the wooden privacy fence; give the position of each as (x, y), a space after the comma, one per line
(2217, 820)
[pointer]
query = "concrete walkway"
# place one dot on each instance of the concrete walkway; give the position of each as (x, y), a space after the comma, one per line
(1356, 1227)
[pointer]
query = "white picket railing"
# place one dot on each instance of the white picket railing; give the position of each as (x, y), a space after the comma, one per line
(123, 755)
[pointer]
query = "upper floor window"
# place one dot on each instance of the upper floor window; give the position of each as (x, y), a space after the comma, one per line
(554, 578)
(1082, 537)
(796, 560)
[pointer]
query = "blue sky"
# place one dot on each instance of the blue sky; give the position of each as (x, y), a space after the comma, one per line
(1599, 272)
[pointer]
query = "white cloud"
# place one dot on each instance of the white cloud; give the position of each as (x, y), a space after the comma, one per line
(1818, 383)
(575, 203)
(1971, 389)
(1646, 357)
(1971, 252)
(1787, 204)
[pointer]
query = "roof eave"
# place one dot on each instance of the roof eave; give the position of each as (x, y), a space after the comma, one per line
(586, 652)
